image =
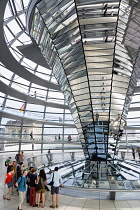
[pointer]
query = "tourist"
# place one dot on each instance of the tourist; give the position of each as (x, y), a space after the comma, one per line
(57, 182)
(20, 168)
(7, 161)
(41, 181)
(133, 153)
(59, 137)
(28, 186)
(21, 185)
(17, 157)
(138, 151)
(22, 157)
(69, 138)
(33, 180)
(8, 184)
(31, 136)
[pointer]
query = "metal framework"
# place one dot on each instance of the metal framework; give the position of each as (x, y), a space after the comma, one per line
(83, 43)
(90, 54)
(27, 80)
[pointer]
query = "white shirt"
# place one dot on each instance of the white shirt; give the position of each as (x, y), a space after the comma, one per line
(57, 179)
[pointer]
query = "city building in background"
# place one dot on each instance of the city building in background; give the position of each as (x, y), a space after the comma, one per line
(30, 130)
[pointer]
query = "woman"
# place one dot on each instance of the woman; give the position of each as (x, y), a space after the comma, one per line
(8, 184)
(22, 157)
(14, 175)
(41, 183)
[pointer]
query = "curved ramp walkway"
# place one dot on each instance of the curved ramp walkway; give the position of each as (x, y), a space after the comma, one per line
(12, 64)
(15, 93)
(15, 117)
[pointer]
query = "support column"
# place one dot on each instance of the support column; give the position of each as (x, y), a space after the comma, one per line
(113, 186)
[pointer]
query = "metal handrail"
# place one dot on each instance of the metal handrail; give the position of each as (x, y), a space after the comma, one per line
(100, 190)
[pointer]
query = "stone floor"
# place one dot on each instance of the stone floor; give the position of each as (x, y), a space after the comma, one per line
(73, 199)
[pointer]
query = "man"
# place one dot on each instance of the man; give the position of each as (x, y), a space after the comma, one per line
(28, 186)
(20, 167)
(31, 136)
(122, 154)
(139, 152)
(57, 182)
(133, 152)
(97, 116)
(7, 161)
(21, 185)
(69, 138)
(17, 157)
(33, 178)
(105, 8)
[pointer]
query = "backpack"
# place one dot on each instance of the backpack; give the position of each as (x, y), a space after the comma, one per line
(21, 181)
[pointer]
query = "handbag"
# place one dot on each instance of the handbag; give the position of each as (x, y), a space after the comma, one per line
(52, 182)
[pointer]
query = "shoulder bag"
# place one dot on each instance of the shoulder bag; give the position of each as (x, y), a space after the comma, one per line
(52, 182)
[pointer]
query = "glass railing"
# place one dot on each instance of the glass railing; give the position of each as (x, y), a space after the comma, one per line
(79, 173)
(103, 185)
(36, 116)
(49, 160)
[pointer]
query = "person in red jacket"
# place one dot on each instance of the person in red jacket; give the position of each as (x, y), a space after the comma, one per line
(8, 184)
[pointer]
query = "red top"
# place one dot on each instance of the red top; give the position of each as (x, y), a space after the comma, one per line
(9, 178)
